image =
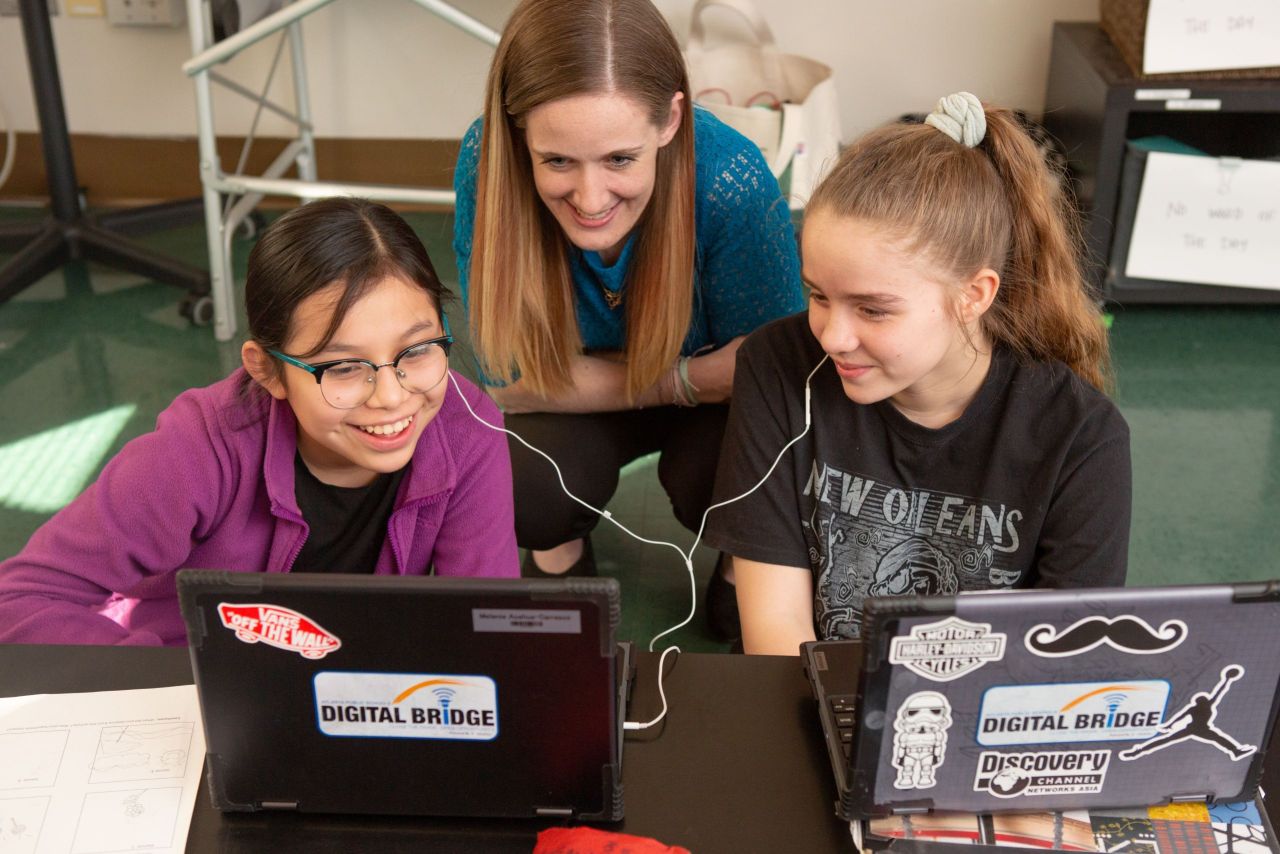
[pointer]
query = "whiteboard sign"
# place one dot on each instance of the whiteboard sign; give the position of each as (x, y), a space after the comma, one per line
(1207, 220)
(1210, 35)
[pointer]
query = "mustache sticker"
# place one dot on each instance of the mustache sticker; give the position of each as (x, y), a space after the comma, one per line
(1124, 633)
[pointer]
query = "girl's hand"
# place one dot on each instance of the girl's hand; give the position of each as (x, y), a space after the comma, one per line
(712, 374)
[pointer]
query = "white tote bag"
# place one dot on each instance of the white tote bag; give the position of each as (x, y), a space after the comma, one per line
(785, 104)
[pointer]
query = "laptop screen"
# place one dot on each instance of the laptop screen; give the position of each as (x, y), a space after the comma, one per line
(421, 696)
(1063, 699)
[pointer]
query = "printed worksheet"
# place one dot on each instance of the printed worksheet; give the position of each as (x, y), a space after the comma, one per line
(110, 771)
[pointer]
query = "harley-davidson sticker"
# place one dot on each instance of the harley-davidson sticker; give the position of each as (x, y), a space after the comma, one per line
(280, 627)
(948, 649)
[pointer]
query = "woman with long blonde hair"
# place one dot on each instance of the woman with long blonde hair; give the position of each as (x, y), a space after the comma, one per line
(614, 245)
(950, 378)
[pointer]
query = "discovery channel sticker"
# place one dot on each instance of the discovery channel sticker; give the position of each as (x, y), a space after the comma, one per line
(280, 627)
(948, 649)
(1050, 772)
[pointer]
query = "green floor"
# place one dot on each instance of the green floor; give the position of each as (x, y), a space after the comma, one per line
(87, 359)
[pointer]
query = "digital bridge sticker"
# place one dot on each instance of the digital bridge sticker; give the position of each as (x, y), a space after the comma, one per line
(407, 705)
(280, 627)
(1072, 712)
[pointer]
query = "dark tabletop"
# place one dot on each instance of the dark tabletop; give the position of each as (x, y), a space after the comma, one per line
(738, 766)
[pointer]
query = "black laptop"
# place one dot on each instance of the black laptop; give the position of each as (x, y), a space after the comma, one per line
(409, 695)
(1038, 700)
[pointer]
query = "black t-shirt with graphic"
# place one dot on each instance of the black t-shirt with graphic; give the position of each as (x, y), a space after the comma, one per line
(1031, 486)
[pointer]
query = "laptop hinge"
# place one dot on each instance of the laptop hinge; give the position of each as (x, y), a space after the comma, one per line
(1186, 799)
(1248, 590)
(553, 811)
(278, 805)
(910, 810)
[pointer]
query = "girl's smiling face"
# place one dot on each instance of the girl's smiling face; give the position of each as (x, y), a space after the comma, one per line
(895, 328)
(594, 161)
(337, 445)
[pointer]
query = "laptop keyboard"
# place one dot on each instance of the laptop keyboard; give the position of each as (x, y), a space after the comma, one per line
(842, 706)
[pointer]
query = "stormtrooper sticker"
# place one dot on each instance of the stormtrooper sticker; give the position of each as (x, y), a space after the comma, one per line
(920, 739)
(947, 649)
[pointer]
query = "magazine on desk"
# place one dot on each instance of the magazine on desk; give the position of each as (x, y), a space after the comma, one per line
(1192, 828)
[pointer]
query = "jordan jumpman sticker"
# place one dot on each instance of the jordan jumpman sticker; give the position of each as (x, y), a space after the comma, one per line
(1195, 721)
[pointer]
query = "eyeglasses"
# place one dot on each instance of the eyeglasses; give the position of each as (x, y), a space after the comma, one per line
(348, 383)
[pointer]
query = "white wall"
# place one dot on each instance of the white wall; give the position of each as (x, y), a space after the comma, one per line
(387, 68)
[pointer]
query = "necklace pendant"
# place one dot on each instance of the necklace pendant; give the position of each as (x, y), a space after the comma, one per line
(611, 299)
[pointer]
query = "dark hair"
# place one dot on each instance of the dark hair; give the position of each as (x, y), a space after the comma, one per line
(354, 243)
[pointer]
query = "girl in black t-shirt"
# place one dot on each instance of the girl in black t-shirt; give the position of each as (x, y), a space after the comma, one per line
(958, 437)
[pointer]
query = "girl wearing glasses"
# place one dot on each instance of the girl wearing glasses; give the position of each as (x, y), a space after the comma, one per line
(614, 244)
(341, 446)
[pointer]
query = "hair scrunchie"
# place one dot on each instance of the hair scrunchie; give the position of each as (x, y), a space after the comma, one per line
(960, 116)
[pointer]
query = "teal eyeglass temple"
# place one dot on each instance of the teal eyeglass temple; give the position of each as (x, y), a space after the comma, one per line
(317, 370)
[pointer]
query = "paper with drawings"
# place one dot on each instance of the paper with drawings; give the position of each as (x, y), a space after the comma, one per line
(1211, 35)
(1207, 220)
(110, 771)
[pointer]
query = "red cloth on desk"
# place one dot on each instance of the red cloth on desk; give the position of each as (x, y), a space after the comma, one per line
(588, 840)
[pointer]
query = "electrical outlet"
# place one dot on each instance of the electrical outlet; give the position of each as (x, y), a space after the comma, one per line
(147, 13)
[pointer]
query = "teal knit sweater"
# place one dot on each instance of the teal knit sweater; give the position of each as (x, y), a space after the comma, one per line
(747, 270)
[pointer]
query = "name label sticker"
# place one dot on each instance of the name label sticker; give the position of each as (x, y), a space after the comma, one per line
(1160, 94)
(535, 621)
(1206, 104)
(1072, 712)
(406, 705)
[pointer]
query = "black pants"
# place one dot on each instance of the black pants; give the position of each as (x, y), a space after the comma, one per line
(590, 450)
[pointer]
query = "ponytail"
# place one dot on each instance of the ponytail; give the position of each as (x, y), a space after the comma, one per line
(1045, 308)
(995, 205)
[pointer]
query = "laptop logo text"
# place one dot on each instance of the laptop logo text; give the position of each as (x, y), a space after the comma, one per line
(1124, 633)
(407, 705)
(1052, 772)
(948, 649)
(1072, 712)
(280, 627)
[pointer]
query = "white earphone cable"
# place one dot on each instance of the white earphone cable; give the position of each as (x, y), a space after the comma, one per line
(687, 558)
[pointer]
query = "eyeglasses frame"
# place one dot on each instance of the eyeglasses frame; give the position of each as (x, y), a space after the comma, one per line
(317, 370)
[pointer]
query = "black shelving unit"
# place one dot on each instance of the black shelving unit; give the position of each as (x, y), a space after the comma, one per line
(1092, 107)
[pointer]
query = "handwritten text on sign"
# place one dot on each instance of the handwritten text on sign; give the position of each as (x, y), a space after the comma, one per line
(1207, 220)
(1209, 35)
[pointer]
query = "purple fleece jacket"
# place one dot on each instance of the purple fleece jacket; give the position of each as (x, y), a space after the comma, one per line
(212, 488)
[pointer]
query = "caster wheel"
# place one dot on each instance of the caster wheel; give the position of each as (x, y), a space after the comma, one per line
(199, 310)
